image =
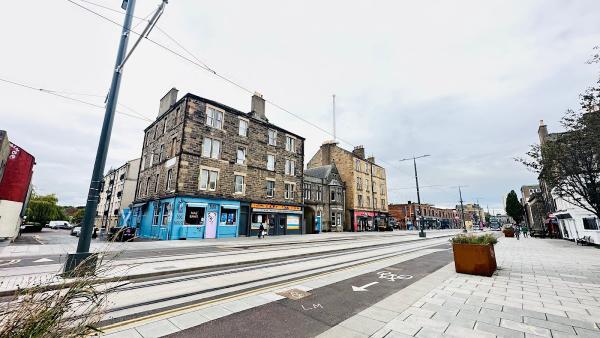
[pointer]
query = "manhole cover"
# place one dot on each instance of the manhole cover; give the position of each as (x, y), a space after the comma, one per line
(294, 294)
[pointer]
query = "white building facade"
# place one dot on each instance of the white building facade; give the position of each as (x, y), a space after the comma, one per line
(575, 222)
(118, 192)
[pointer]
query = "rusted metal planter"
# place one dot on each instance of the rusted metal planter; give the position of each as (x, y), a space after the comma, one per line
(474, 259)
(509, 233)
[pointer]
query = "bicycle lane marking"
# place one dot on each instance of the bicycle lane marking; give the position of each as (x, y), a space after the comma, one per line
(325, 307)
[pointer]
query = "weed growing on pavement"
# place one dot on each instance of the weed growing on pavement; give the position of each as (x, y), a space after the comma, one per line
(60, 306)
(486, 239)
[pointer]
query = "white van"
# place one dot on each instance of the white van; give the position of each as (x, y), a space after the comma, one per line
(60, 225)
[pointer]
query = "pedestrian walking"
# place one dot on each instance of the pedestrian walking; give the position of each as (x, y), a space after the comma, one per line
(525, 231)
(517, 231)
(261, 231)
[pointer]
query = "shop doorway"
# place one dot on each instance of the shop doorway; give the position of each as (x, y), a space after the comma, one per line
(309, 218)
(243, 225)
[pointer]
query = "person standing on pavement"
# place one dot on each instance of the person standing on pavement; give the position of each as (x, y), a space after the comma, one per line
(517, 231)
(261, 231)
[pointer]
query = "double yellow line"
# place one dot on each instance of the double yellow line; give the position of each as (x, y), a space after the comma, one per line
(184, 309)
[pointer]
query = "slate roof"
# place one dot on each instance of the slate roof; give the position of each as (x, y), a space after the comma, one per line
(321, 172)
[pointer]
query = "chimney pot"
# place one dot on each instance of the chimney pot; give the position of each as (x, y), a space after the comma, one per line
(359, 151)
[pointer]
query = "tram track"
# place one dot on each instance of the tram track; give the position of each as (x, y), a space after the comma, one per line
(266, 283)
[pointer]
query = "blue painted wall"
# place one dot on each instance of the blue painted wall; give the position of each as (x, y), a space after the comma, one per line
(175, 228)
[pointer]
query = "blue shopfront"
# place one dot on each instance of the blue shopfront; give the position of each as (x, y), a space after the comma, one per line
(186, 218)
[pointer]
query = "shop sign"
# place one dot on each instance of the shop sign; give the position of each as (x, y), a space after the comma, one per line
(263, 207)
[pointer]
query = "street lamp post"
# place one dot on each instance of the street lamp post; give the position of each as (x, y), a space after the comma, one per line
(462, 210)
(83, 256)
(422, 232)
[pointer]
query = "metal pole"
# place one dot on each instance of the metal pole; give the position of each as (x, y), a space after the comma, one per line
(422, 233)
(462, 210)
(334, 134)
(83, 246)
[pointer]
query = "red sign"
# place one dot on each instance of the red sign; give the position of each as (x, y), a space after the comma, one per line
(17, 175)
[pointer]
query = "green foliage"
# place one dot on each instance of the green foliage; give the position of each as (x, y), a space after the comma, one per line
(475, 239)
(78, 216)
(43, 209)
(514, 208)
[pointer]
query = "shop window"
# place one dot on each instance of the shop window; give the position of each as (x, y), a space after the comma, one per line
(228, 216)
(194, 215)
(155, 215)
(590, 223)
(270, 188)
(268, 220)
(166, 213)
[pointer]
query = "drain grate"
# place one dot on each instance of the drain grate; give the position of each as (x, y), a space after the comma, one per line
(294, 294)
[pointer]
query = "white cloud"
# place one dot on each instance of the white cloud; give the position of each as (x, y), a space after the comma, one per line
(466, 81)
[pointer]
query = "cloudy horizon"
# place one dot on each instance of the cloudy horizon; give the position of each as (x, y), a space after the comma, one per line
(466, 82)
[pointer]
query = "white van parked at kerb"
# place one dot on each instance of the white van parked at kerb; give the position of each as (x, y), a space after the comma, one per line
(59, 225)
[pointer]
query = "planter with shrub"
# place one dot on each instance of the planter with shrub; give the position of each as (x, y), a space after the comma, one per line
(474, 255)
(509, 231)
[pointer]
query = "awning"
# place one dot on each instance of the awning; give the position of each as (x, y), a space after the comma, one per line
(230, 206)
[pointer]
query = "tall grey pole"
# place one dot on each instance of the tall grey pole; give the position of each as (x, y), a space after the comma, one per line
(83, 246)
(422, 232)
(462, 210)
(334, 134)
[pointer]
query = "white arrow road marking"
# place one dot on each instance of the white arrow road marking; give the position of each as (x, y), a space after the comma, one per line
(364, 287)
(42, 260)
(12, 261)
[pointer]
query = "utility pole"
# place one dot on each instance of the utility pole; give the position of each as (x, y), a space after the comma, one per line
(334, 134)
(83, 246)
(462, 210)
(422, 232)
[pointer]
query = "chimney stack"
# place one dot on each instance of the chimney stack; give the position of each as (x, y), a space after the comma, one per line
(359, 151)
(542, 132)
(167, 101)
(258, 107)
(371, 159)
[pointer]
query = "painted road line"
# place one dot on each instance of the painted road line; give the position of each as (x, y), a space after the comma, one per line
(364, 287)
(325, 308)
(125, 324)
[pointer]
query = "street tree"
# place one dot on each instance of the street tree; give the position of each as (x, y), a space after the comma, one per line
(43, 208)
(514, 208)
(569, 162)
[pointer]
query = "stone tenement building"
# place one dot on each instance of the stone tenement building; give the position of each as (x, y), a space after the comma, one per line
(473, 212)
(324, 194)
(117, 194)
(365, 181)
(526, 192)
(432, 217)
(211, 171)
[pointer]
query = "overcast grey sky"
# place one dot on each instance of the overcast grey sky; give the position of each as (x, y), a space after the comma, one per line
(464, 81)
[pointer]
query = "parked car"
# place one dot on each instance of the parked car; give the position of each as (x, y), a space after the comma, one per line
(121, 234)
(60, 225)
(31, 227)
(75, 231)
